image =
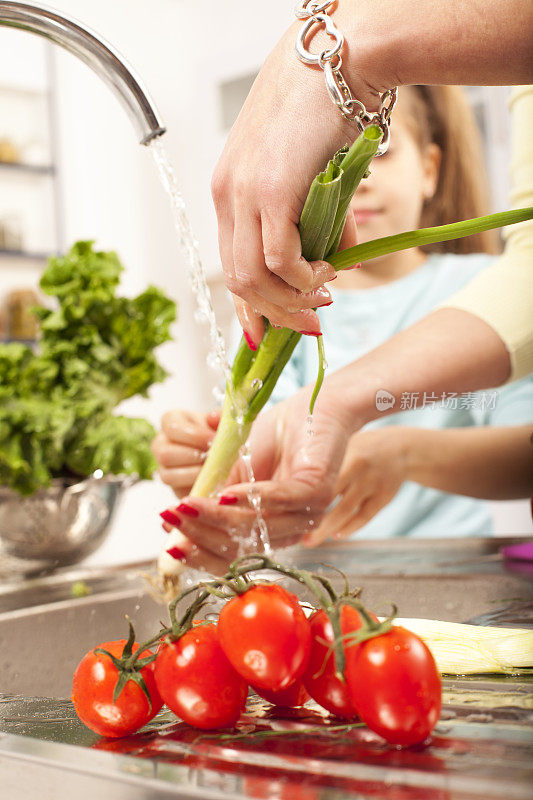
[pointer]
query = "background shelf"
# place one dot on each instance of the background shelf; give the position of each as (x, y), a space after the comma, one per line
(35, 169)
(24, 254)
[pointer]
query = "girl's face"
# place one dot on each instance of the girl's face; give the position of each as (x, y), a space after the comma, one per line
(390, 200)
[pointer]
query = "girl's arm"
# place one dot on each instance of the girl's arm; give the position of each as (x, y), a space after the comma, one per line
(490, 463)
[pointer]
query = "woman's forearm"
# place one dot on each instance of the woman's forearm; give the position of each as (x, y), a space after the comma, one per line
(468, 42)
(490, 463)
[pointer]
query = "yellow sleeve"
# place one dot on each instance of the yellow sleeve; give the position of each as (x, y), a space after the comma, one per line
(502, 294)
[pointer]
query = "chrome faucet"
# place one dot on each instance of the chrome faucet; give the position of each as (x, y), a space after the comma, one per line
(95, 52)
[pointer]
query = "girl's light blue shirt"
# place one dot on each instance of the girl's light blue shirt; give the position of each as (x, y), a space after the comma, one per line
(359, 321)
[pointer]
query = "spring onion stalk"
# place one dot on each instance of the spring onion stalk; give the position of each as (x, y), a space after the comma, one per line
(467, 649)
(441, 233)
(254, 374)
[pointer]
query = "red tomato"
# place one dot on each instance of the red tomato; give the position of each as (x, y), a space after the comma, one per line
(295, 695)
(395, 685)
(320, 679)
(94, 681)
(198, 683)
(266, 636)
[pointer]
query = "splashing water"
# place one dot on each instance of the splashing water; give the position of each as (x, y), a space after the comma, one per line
(217, 357)
(259, 530)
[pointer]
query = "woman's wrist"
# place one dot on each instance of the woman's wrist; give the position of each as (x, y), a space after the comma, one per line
(367, 53)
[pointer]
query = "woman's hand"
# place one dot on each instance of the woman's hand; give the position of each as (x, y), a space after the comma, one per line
(287, 130)
(374, 468)
(181, 446)
(296, 478)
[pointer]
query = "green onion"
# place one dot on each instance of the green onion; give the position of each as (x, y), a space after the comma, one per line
(441, 233)
(254, 375)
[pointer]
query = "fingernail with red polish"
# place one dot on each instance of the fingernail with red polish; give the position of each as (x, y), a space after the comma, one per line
(311, 333)
(189, 511)
(249, 341)
(170, 517)
(177, 553)
(228, 500)
(323, 305)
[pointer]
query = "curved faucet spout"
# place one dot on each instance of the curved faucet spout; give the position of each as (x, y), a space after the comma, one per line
(90, 48)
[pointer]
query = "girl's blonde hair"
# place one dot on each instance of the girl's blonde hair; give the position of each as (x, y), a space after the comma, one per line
(442, 115)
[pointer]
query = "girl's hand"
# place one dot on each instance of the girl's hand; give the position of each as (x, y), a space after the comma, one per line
(180, 447)
(374, 468)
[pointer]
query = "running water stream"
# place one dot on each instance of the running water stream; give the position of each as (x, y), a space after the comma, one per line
(217, 356)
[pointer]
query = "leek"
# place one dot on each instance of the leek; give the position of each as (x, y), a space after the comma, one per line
(474, 649)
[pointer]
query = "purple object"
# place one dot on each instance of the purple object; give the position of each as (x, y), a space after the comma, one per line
(519, 552)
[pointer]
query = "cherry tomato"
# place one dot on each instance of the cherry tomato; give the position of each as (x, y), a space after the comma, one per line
(198, 683)
(93, 685)
(395, 685)
(295, 695)
(320, 679)
(266, 636)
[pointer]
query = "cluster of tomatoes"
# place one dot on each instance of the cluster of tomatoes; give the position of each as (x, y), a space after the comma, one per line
(264, 640)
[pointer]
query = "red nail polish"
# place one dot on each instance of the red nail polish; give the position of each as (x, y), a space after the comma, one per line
(311, 333)
(228, 500)
(333, 279)
(177, 553)
(249, 341)
(170, 517)
(323, 305)
(189, 511)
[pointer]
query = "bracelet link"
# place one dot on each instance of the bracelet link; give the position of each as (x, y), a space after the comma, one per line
(314, 12)
(308, 8)
(326, 55)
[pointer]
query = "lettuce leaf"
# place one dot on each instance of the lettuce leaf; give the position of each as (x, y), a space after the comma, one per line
(95, 350)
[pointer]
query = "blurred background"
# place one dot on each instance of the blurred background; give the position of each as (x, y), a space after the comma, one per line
(71, 168)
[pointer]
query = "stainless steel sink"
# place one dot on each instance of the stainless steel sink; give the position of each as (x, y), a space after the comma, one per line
(44, 631)
(40, 617)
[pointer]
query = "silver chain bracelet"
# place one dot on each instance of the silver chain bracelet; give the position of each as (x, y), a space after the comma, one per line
(315, 12)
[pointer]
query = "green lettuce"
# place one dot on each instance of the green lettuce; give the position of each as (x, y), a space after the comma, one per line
(95, 350)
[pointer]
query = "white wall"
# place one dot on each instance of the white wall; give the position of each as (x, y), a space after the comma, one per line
(110, 191)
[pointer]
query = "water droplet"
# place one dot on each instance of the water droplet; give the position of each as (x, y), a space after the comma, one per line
(256, 383)
(218, 394)
(213, 360)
